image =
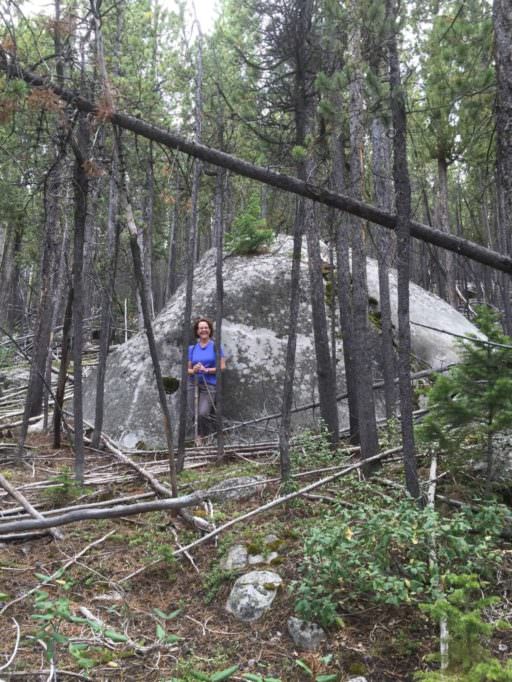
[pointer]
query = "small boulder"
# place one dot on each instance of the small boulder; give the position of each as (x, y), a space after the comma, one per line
(253, 594)
(255, 559)
(235, 558)
(358, 679)
(306, 636)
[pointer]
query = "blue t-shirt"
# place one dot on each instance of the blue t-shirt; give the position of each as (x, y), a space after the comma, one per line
(206, 356)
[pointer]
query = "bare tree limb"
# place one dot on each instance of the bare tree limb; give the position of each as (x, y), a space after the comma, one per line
(27, 506)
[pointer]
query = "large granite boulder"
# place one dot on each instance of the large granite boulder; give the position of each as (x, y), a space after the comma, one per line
(256, 301)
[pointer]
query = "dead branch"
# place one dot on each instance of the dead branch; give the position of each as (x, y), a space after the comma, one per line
(16, 645)
(26, 505)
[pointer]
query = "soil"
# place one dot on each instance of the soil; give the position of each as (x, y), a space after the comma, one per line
(173, 608)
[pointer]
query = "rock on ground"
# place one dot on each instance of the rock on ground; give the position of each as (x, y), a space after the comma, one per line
(306, 636)
(253, 594)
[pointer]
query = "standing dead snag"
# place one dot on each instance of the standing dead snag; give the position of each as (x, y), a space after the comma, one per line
(141, 285)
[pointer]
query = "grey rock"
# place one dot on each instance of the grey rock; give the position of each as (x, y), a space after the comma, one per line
(306, 636)
(235, 558)
(109, 597)
(358, 679)
(256, 301)
(255, 559)
(244, 488)
(253, 594)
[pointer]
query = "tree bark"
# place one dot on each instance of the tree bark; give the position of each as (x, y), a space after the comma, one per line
(112, 249)
(403, 208)
(381, 154)
(81, 187)
(219, 307)
(368, 437)
(10, 295)
(502, 18)
(63, 369)
(291, 345)
(443, 220)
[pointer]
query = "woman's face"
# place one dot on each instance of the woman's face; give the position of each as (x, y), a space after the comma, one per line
(203, 331)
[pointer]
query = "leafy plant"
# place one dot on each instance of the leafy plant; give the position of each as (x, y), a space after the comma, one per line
(161, 631)
(157, 546)
(383, 555)
(214, 580)
(311, 448)
(473, 401)
(249, 232)
(215, 677)
(313, 670)
(463, 609)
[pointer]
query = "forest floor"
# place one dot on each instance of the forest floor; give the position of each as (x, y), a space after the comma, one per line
(168, 621)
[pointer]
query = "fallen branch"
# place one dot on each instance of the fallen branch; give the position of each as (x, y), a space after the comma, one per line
(16, 645)
(168, 503)
(27, 506)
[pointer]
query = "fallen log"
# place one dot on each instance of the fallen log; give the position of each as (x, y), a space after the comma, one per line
(13, 69)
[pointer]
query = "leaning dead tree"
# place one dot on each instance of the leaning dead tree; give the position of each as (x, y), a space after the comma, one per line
(11, 67)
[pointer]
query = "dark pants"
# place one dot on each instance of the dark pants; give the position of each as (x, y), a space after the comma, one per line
(205, 407)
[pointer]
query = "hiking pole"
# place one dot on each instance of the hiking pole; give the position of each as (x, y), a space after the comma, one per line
(196, 409)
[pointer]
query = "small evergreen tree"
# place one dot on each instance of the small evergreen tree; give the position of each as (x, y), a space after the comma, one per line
(249, 233)
(473, 401)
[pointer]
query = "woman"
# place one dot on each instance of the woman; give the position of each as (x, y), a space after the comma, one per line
(202, 369)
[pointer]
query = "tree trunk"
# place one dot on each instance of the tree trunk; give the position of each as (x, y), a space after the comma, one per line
(219, 306)
(344, 290)
(148, 229)
(42, 330)
(403, 210)
(324, 368)
(63, 369)
(447, 259)
(81, 187)
(381, 154)
(11, 312)
(363, 358)
(141, 284)
(191, 254)
(289, 367)
(112, 249)
(502, 18)
(171, 280)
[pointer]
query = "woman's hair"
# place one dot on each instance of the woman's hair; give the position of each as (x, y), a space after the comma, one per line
(198, 321)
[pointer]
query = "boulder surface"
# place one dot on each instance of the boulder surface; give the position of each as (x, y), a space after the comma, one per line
(254, 337)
